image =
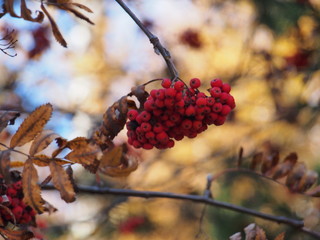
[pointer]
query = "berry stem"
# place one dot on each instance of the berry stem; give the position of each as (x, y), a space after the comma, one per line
(159, 49)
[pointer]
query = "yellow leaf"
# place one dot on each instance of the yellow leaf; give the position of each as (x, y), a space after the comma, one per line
(32, 126)
(44, 160)
(42, 141)
(31, 189)
(62, 182)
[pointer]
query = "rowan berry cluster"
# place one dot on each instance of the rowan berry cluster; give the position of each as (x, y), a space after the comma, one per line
(13, 208)
(176, 111)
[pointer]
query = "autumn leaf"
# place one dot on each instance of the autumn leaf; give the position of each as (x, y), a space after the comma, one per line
(256, 160)
(16, 234)
(42, 141)
(78, 142)
(16, 164)
(62, 182)
(7, 117)
(84, 155)
(55, 30)
(280, 236)
(9, 7)
(31, 189)
(286, 166)
(43, 160)
(5, 165)
(32, 125)
(26, 14)
(70, 7)
(295, 176)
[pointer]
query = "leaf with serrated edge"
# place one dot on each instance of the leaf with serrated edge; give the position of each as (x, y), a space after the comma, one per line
(280, 236)
(5, 165)
(85, 155)
(32, 125)
(62, 182)
(78, 142)
(42, 141)
(56, 32)
(42, 160)
(31, 189)
(16, 234)
(7, 117)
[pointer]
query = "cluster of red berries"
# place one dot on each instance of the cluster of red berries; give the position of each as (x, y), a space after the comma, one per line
(11, 196)
(176, 111)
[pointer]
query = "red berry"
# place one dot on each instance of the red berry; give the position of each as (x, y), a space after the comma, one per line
(157, 112)
(216, 83)
(226, 88)
(169, 123)
(225, 110)
(179, 86)
(217, 107)
(17, 185)
(136, 144)
(179, 137)
(170, 92)
(150, 135)
(196, 125)
(149, 105)
(157, 128)
(17, 212)
(215, 92)
(160, 94)
(201, 95)
(169, 102)
(179, 96)
(195, 83)
(179, 104)
(231, 102)
(162, 137)
(11, 192)
(220, 120)
(201, 102)
(175, 117)
(190, 111)
(132, 114)
(170, 143)
(186, 124)
(159, 103)
(153, 93)
(210, 101)
(224, 97)
(166, 83)
(147, 146)
(146, 127)
(145, 116)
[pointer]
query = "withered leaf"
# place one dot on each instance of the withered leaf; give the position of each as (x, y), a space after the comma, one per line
(78, 142)
(295, 175)
(236, 236)
(7, 117)
(116, 163)
(31, 189)
(308, 180)
(55, 30)
(256, 160)
(84, 155)
(9, 6)
(62, 182)
(280, 236)
(140, 93)
(16, 164)
(16, 234)
(285, 167)
(32, 125)
(26, 14)
(260, 234)
(315, 192)
(69, 7)
(43, 160)
(250, 231)
(269, 161)
(8, 210)
(5, 165)
(42, 141)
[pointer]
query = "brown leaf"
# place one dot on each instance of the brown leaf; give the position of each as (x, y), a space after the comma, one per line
(82, 7)
(16, 234)
(5, 165)
(236, 236)
(26, 14)
(269, 162)
(140, 93)
(7, 117)
(116, 163)
(31, 189)
(69, 7)
(256, 160)
(42, 160)
(261, 235)
(62, 182)
(284, 168)
(280, 236)
(9, 7)
(79, 142)
(8, 210)
(42, 141)
(84, 155)
(62, 144)
(315, 192)
(55, 30)
(307, 181)
(16, 164)
(32, 125)
(295, 175)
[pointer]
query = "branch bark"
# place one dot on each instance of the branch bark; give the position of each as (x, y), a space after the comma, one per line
(159, 49)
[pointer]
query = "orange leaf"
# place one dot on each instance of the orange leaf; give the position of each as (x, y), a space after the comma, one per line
(42, 141)
(84, 155)
(32, 126)
(5, 165)
(16, 234)
(62, 182)
(261, 235)
(56, 32)
(7, 117)
(31, 189)
(44, 160)
(78, 142)
(280, 236)
(16, 164)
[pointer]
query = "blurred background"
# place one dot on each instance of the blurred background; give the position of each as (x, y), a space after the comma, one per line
(268, 51)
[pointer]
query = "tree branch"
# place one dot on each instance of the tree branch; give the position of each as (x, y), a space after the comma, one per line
(295, 223)
(159, 49)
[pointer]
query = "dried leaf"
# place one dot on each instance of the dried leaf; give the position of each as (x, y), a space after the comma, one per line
(82, 7)
(284, 168)
(315, 192)
(280, 236)
(140, 93)
(84, 155)
(236, 236)
(260, 234)
(62, 144)
(7, 117)
(32, 125)
(16, 234)
(26, 14)
(256, 160)
(31, 189)
(16, 164)
(295, 176)
(9, 7)
(62, 182)
(5, 165)
(250, 231)
(307, 181)
(79, 142)
(55, 30)
(69, 7)
(42, 141)
(116, 163)
(42, 160)
(6, 209)
(269, 162)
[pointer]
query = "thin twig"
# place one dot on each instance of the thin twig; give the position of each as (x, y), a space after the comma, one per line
(154, 40)
(9, 43)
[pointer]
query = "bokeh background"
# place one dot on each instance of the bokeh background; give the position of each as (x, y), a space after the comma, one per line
(268, 51)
